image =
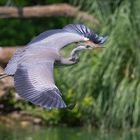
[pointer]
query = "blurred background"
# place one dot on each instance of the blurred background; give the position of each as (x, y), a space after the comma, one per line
(105, 84)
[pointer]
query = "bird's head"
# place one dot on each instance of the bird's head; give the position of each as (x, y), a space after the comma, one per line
(87, 45)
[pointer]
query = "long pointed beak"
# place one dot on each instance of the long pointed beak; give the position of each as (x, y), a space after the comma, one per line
(93, 45)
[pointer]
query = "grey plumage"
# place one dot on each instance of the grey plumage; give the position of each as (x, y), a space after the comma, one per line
(32, 66)
(45, 35)
(35, 83)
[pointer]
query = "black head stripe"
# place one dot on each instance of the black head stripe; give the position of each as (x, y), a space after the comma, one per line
(86, 32)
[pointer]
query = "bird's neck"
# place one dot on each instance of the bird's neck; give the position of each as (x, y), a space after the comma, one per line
(75, 52)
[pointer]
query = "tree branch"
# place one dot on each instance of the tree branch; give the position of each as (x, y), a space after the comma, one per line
(46, 11)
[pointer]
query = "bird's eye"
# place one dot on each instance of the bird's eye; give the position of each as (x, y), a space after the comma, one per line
(88, 46)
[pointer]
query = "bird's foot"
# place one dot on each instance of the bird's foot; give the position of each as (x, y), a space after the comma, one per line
(71, 106)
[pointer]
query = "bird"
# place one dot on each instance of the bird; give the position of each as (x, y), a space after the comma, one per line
(32, 66)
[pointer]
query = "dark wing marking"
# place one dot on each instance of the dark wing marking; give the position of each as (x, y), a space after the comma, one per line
(35, 84)
(86, 32)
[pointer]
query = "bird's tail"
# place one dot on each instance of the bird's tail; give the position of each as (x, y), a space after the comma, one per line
(3, 75)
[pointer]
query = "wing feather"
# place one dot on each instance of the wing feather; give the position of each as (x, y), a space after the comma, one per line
(45, 35)
(86, 32)
(35, 84)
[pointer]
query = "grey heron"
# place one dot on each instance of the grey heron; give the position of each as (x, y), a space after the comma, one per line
(32, 66)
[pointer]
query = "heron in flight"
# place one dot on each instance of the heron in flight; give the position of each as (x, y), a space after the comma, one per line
(32, 66)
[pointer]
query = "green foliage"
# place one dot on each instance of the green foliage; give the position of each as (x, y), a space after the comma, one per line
(21, 31)
(27, 29)
(114, 80)
(78, 116)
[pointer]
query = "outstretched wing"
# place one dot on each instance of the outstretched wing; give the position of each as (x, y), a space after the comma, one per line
(35, 83)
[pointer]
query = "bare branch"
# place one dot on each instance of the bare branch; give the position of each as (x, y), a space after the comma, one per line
(45, 11)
